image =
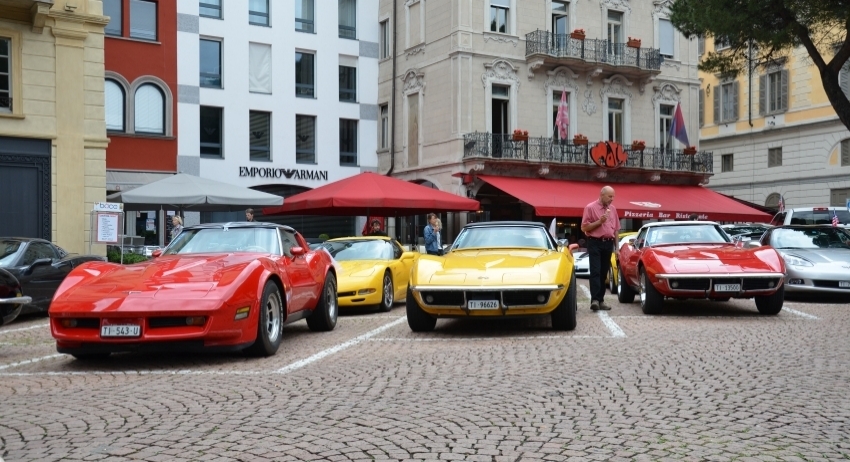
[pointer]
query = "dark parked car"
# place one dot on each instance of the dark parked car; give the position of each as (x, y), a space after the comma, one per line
(11, 299)
(39, 266)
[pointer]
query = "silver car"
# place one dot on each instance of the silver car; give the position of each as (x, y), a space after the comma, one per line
(817, 257)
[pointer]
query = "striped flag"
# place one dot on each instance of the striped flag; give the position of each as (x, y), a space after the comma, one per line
(677, 128)
(562, 121)
(781, 203)
(553, 229)
(834, 219)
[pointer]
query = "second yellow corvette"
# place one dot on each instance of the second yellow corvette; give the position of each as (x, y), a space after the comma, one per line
(373, 270)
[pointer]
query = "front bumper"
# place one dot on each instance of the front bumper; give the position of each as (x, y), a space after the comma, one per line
(817, 280)
(711, 285)
(513, 300)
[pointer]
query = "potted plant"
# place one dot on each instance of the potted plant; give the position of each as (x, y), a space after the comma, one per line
(690, 150)
(580, 139)
(638, 145)
(520, 135)
(633, 42)
(577, 34)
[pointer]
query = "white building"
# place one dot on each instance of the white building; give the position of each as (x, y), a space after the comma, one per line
(280, 96)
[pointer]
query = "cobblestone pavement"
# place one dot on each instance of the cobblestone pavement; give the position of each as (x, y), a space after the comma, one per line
(703, 381)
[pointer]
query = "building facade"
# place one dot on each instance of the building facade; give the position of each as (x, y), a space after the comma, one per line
(277, 96)
(462, 76)
(52, 131)
(775, 135)
(140, 84)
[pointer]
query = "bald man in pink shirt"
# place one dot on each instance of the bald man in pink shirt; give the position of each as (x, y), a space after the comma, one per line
(600, 224)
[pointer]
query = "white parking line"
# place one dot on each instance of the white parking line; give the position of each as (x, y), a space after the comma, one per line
(30, 361)
(9, 331)
(800, 313)
(584, 290)
(452, 339)
(340, 347)
(616, 332)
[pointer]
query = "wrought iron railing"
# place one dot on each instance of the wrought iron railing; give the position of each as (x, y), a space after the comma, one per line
(591, 50)
(543, 149)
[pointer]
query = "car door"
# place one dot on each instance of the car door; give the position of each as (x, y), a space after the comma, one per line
(630, 255)
(41, 281)
(298, 270)
(400, 270)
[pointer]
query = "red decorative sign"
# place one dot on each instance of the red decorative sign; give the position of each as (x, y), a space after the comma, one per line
(608, 154)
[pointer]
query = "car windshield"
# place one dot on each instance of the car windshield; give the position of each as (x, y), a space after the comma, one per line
(359, 249)
(686, 234)
(503, 236)
(215, 240)
(819, 217)
(8, 252)
(736, 230)
(810, 238)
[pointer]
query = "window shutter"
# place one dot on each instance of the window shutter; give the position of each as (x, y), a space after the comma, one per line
(717, 104)
(734, 101)
(114, 106)
(701, 107)
(701, 45)
(762, 94)
(844, 79)
(845, 153)
(150, 110)
(259, 68)
(783, 104)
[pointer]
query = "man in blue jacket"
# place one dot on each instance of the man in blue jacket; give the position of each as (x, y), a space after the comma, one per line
(432, 237)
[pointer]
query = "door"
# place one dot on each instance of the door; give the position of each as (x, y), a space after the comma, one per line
(500, 121)
(40, 282)
(25, 187)
(629, 257)
(304, 291)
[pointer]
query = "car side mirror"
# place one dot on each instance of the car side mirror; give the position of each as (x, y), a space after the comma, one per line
(297, 250)
(156, 253)
(572, 247)
(752, 244)
(408, 255)
(41, 262)
(631, 242)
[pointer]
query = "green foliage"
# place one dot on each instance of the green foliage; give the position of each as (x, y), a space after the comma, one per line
(324, 237)
(115, 257)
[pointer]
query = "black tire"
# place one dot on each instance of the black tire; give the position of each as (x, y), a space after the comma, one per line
(625, 294)
(325, 314)
(564, 316)
(771, 304)
(388, 293)
(612, 283)
(269, 323)
(417, 319)
(651, 302)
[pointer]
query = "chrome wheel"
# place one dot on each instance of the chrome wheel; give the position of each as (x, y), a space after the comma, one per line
(388, 291)
(273, 317)
(330, 296)
(642, 288)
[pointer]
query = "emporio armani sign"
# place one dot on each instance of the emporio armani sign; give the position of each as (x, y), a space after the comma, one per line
(288, 173)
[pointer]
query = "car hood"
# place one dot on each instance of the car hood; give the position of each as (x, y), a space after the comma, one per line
(491, 267)
(709, 258)
(359, 268)
(820, 255)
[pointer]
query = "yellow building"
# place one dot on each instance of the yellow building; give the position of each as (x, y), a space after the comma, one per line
(775, 134)
(52, 130)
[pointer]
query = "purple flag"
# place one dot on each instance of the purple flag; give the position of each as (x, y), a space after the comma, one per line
(677, 128)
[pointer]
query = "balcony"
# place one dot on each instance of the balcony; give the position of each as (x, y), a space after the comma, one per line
(497, 147)
(588, 54)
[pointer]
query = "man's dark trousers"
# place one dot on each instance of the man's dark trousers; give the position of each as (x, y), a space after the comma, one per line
(599, 253)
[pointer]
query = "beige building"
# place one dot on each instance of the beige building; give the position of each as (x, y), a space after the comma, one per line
(52, 130)
(464, 74)
(774, 133)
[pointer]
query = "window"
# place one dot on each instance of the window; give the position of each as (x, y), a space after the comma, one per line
(347, 142)
(413, 130)
(726, 103)
(385, 39)
(210, 8)
(773, 92)
(665, 120)
(260, 144)
(113, 9)
(615, 120)
(348, 84)
(500, 104)
(726, 162)
(305, 139)
(305, 16)
(839, 198)
(385, 126)
(666, 37)
(258, 12)
(210, 65)
(774, 157)
(701, 45)
(500, 16)
(259, 68)
(844, 79)
(5, 75)
(721, 43)
(143, 19)
(304, 75)
(212, 129)
(701, 107)
(348, 19)
(560, 18)
(845, 153)
(615, 33)
(150, 110)
(556, 103)
(114, 105)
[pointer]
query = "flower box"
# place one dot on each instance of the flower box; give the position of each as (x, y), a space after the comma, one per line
(580, 140)
(638, 145)
(633, 42)
(690, 150)
(577, 34)
(520, 135)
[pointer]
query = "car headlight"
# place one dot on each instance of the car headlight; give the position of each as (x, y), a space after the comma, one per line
(794, 260)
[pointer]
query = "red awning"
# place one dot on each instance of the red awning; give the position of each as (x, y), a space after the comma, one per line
(561, 198)
(372, 194)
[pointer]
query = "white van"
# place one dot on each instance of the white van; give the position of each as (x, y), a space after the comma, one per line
(811, 216)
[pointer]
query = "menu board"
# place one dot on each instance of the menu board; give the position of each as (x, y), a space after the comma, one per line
(107, 228)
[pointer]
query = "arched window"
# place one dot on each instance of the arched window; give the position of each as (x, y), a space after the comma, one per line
(150, 110)
(772, 201)
(114, 94)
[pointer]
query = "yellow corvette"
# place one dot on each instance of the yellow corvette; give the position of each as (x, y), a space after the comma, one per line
(496, 269)
(614, 272)
(372, 270)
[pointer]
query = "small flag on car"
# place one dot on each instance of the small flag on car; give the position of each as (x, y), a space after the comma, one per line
(834, 219)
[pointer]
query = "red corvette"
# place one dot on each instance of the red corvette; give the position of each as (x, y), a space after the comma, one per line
(224, 286)
(696, 259)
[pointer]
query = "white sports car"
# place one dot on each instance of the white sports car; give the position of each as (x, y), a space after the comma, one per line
(582, 262)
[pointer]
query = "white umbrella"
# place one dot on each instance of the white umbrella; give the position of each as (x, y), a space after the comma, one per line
(188, 192)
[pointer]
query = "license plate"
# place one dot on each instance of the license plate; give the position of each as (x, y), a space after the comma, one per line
(120, 331)
(844, 284)
(727, 287)
(483, 304)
